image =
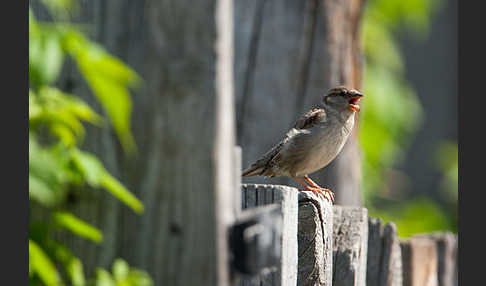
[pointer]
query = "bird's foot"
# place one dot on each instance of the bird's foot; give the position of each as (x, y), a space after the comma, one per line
(315, 191)
(325, 192)
(321, 192)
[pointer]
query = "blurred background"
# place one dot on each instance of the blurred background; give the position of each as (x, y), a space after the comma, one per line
(414, 148)
(100, 118)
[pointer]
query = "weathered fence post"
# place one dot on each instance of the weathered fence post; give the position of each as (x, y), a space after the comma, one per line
(419, 260)
(224, 154)
(350, 243)
(342, 246)
(253, 196)
(447, 254)
(315, 240)
(430, 259)
(384, 265)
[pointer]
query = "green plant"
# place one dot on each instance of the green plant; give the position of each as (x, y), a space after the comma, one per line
(121, 275)
(56, 163)
(446, 158)
(392, 113)
(419, 215)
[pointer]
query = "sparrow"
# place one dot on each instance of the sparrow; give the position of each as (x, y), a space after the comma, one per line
(315, 140)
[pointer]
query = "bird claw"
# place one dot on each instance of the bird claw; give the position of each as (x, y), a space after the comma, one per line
(321, 192)
(326, 194)
(329, 192)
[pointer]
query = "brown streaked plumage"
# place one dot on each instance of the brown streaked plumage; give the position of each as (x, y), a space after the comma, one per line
(314, 141)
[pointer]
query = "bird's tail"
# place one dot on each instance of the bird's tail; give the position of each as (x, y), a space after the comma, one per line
(252, 171)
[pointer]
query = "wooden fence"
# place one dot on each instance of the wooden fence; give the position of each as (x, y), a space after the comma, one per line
(328, 245)
(209, 67)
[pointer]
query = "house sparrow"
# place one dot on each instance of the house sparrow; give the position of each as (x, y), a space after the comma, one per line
(314, 141)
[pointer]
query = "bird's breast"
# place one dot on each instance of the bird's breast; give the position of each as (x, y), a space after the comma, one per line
(325, 144)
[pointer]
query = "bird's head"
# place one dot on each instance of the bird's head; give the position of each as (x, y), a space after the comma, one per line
(343, 99)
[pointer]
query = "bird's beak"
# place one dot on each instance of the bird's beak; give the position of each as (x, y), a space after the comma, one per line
(355, 97)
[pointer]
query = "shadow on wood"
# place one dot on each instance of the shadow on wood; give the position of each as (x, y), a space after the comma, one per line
(315, 240)
(384, 265)
(419, 260)
(430, 259)
(285, 273)
(350, 241)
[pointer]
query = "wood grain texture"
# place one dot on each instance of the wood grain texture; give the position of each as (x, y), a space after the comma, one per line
(315, 240)
(447, 252)
(287, 55)
(350, 243)
(419, 261)
(254, 195)
(446, 243)
(384, 264)
(173, 46)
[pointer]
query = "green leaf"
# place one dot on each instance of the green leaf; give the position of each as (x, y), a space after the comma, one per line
(56, 100)
(31, 272)
(109, 79)
(75, 271)
(140, 278)
(35, 109)
(41, 192)
(103, 278)
(89, 165)
(116, 101)
(77, 226)
(72, 264)
(83, 111)
(51, 167)
(96, 175)
(48, 173)
(62, 113)
(120, 192)
(64, 134)
(42, 265)
(95, 59)
(120, 270)
(45, 54)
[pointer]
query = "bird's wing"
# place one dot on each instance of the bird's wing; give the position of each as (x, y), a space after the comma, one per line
(264, 165)
(261, 165)
(311, 118)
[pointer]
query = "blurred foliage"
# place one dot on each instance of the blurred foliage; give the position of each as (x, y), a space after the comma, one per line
(392, 112)
(56, 164)
(121, 275)
(446, 158)
(419, 215)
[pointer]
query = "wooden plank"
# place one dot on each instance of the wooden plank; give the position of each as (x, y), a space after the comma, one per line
(446, 243)
(384, 264)
(224, 139)
(259, 195)
(392, 257)
(419, 261)
(315, 240)
(350, 243)
(237, 177)
(447, 252)
(375, 249)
